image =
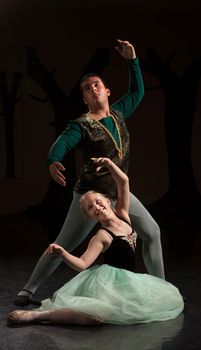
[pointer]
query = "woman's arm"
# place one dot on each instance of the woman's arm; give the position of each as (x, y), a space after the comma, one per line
(96, 245)
(122, 182)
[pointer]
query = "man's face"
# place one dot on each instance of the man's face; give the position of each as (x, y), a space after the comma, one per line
(94, 92)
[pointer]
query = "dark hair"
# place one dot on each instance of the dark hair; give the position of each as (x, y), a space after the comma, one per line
(88, 75)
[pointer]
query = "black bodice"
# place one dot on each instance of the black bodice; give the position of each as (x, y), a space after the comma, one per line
(121, 252)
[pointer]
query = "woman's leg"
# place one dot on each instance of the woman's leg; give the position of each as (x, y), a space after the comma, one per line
(75, 229)
(64, 316)
(149, 231)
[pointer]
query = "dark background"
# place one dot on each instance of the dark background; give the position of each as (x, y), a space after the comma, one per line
(46, 46)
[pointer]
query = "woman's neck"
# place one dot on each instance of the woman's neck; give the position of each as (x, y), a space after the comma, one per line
(111, 222)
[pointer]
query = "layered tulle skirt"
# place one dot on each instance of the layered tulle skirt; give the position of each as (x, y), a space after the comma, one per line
(118, 296)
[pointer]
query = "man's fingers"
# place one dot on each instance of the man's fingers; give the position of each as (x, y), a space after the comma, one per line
(60, 167)
(59, 178)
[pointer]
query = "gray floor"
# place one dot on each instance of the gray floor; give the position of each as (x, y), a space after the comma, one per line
(15, 266)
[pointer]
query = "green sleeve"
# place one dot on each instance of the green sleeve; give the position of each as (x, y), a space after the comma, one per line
(129, 102)
(67, 141)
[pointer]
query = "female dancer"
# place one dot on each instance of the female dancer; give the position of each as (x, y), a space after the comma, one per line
(112, 292)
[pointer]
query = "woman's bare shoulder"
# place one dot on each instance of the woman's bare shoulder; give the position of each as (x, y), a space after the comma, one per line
(103, 236)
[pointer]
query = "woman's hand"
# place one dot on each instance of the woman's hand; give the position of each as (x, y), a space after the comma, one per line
(54, 249)
(101, 162)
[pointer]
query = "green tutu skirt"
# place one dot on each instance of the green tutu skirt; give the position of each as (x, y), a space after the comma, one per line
(118, 296)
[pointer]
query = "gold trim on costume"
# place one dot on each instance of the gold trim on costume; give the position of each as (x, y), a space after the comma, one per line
(118, 148)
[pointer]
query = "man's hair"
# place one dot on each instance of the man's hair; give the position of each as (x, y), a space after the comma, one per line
(88, 75)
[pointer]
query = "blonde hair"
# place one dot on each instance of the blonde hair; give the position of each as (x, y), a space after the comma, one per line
(83, 197)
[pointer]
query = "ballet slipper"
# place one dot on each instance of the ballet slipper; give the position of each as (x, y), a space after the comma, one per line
(24, 300)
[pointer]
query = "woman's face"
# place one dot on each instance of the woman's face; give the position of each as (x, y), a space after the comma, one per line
(96, 206)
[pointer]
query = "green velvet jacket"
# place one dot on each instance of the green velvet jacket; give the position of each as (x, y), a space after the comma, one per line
(107, 137)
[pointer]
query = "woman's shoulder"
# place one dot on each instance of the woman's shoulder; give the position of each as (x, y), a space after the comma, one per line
(103, 236)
